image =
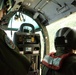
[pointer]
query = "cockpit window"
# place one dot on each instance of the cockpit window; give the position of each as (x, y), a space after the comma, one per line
(16, 21)
(20, 18)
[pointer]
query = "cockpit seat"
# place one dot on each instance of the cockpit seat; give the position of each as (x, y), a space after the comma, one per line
(29, 43)
(11, 61)
(23, 30)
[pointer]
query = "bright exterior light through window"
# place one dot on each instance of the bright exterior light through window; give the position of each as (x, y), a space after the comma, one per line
(16, 23)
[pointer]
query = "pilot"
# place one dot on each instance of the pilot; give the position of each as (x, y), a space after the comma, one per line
(11, 61)
(63, 61)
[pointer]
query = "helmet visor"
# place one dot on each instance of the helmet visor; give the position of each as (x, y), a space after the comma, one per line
(60, 41)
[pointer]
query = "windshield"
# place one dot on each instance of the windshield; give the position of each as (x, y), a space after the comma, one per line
(20, 18)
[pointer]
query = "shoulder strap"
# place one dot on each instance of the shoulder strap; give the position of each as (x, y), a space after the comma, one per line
(44, 70)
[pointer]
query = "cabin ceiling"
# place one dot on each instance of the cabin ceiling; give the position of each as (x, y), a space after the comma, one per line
(52, 9)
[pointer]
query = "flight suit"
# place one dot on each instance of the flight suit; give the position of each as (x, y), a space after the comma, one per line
(11, 61)
(65, 66)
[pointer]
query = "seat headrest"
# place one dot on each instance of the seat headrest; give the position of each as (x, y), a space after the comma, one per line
(24, 26)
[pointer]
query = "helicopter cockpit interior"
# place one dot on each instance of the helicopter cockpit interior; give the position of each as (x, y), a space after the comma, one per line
(43, 13)
(31, 25)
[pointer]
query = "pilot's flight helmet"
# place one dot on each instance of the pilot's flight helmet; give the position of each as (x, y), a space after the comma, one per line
(6, 4)
(65, 38)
